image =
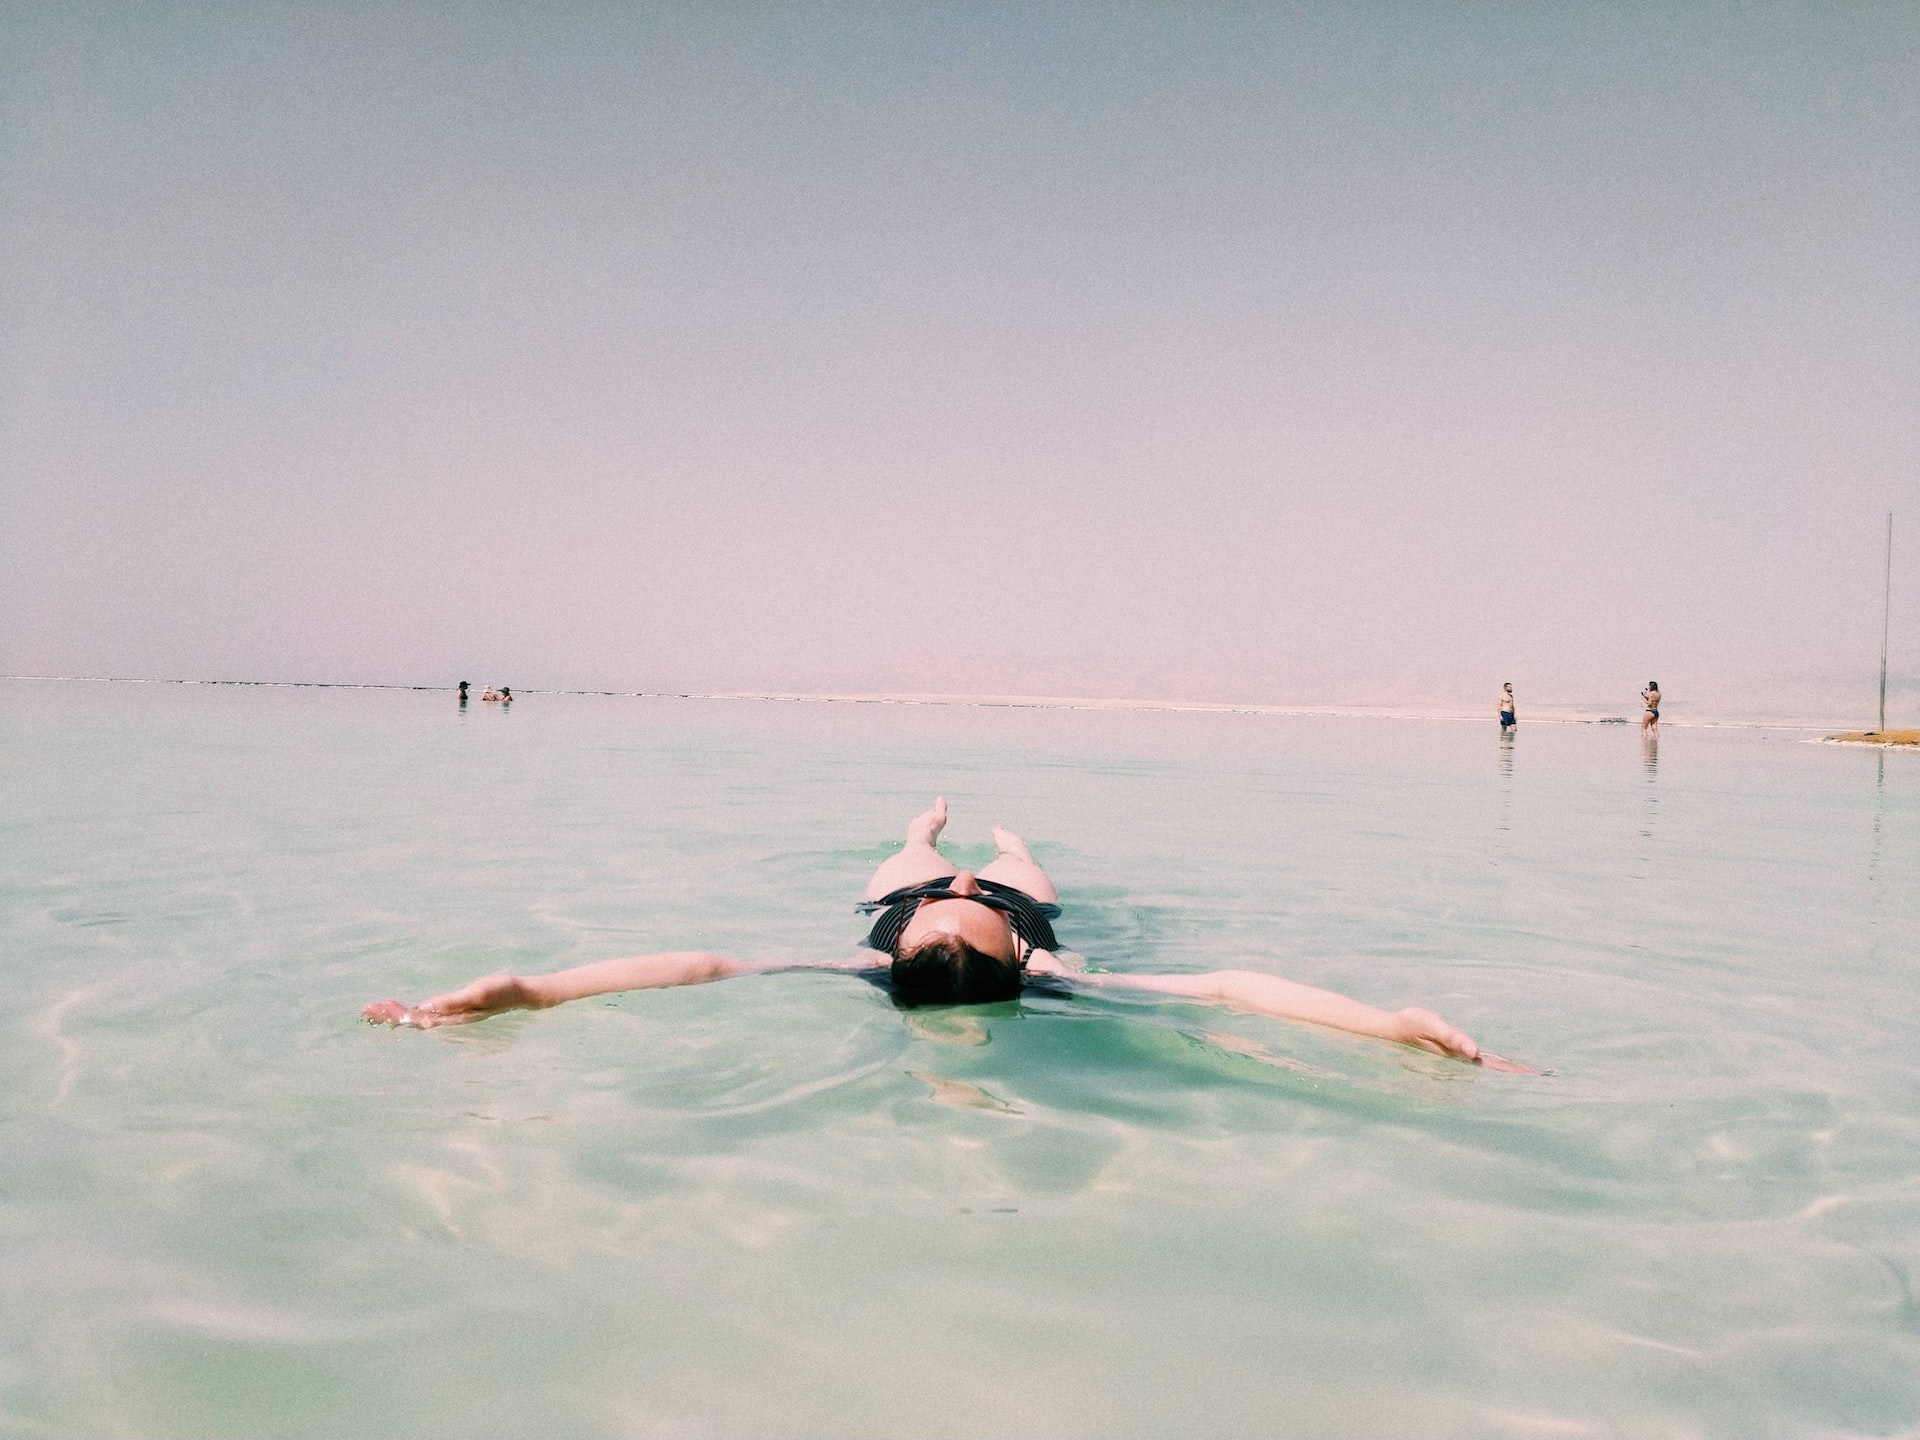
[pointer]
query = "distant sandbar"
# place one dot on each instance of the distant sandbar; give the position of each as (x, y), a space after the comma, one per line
(1877, 737)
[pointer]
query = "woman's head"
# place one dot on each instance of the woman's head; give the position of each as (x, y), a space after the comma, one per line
(946, 970)
(956, 951)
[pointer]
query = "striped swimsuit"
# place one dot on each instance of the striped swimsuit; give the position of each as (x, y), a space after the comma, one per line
(1031, 919)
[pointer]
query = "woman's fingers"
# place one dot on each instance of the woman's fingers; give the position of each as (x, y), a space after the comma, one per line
(476, 1000)
(1430, 1032)
(423, 1016)
(1500, 1062)
(1433, 1033)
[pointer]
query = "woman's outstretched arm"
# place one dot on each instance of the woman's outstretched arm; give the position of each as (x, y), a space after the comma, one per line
(1289, 1000)
(491, 994)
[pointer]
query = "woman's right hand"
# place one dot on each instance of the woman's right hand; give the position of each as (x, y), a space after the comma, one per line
(476, 1000)
(1426, 1030)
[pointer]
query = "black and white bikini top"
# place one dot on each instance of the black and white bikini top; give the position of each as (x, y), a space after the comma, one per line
(1030, 918)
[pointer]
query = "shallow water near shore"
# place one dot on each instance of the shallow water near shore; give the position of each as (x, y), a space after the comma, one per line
(781, 1206)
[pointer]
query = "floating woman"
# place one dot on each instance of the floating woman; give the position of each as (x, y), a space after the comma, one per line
(945, 936)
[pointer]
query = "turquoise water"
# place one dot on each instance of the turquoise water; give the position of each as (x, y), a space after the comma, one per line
(780, 1206)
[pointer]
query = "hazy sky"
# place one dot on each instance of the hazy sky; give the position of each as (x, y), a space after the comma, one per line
(1319, 353)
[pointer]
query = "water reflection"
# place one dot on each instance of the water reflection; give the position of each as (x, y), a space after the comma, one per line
(1876, 884)
(1503, 820)
(1650, 760)
(1879, 810)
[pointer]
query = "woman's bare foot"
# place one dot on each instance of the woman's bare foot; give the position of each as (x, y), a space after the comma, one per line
(1008, 843)
(925, 828)
(1015, 866)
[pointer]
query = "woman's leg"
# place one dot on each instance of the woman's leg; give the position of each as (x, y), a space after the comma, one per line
(917, 861)
(1014, 866)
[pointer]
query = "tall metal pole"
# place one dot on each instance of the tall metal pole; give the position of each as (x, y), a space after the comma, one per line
(1886, 609)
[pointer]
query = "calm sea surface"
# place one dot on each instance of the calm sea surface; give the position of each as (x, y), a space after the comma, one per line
(780, 1206)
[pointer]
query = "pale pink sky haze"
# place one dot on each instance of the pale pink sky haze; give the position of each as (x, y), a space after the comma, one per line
(1289, 354)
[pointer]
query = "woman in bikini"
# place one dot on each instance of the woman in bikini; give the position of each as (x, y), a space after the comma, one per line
(947, 936)
(1651, 695)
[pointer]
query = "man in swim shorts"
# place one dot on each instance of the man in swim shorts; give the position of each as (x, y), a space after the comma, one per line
(947, 936)
(1507, 721)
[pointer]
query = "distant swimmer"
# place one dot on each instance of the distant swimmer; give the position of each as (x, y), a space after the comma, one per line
(491, 694)
(944, 936)
(1507, 722)
(463, 694)
(506, 694)
(1651, 695)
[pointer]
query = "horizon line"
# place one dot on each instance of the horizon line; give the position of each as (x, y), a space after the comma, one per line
(1545, 715)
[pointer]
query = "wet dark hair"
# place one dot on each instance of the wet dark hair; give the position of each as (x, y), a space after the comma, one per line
(1653, 684)
(948, 971)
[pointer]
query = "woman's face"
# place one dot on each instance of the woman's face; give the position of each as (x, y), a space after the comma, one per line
(988, 931)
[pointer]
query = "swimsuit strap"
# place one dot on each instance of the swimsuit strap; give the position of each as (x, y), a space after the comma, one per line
(1030, 918)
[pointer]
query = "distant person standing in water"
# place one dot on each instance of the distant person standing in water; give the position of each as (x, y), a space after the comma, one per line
(463, 694)
(1507, 722)
(506, 694)
(1651, 695)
